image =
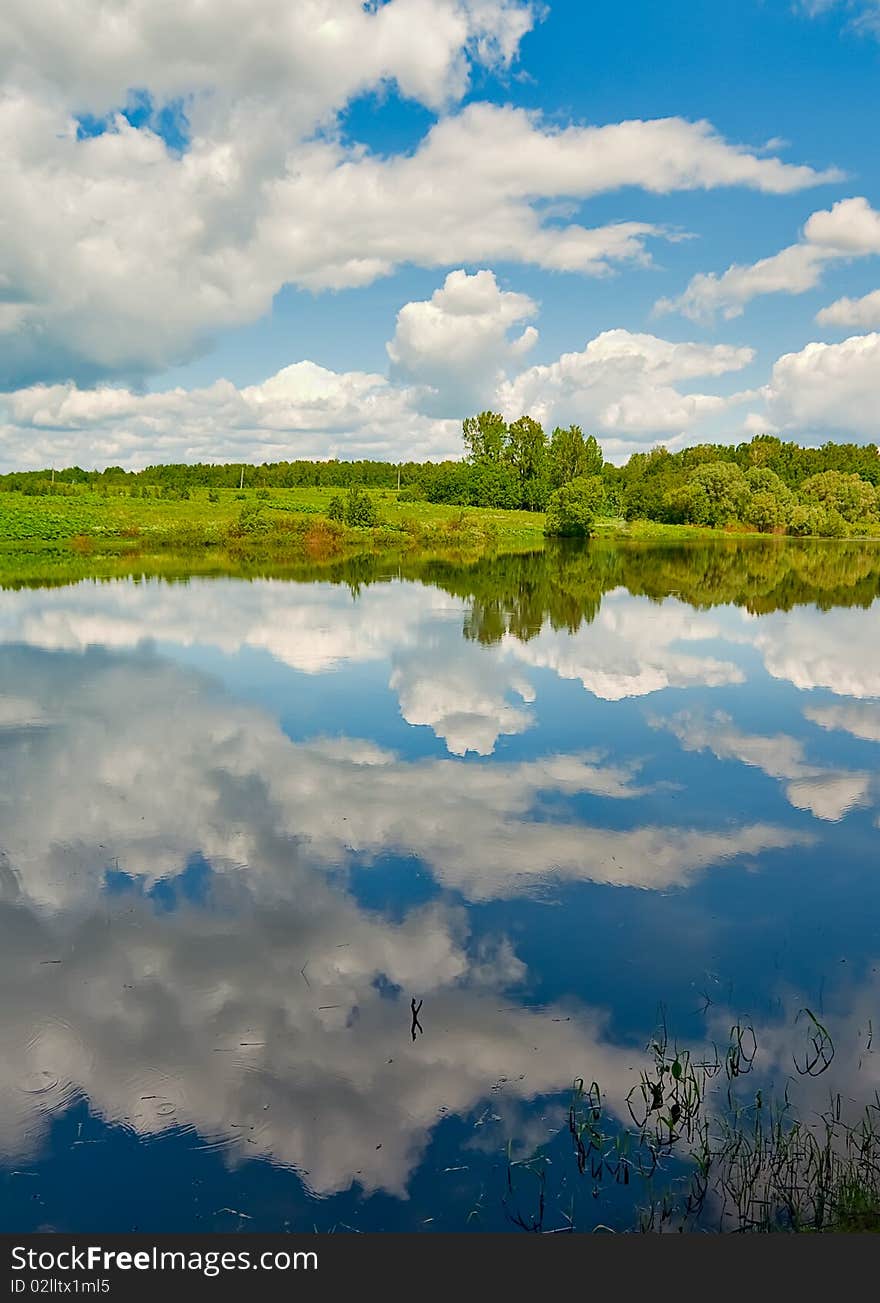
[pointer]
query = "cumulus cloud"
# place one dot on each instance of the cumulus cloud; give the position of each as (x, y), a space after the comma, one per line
(201, 1020)
(304, 410)
(863, 313)
(850, 229)
(826, 387)
(632, 648)
(233, 778)
(449, 356)
(466, 697)
(625, 385)
(458, 342)
(830, 650)
(862, 721)
(123, 255)
(827, 793)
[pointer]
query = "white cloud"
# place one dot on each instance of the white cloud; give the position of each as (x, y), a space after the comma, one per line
(462, 694)
(202, 1019)
(304, 410)
(458, 342)
(122, 257)
(863, 313)
(625, 385)
(827, 793)
(862, 721)
(826, 387)
(121, 794)
(865, 13)
(850, 229)
(632, 648)
(226, 58)
(453, 348)
(835, 649)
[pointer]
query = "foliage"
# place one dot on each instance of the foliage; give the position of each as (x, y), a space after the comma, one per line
(572, 509)
(766, 485)
(360, 509)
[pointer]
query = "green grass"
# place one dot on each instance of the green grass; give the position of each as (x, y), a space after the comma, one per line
(85, 532)
(96, 516)
(58, 537)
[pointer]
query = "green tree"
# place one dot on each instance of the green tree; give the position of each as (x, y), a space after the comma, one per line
(570, 456)
(766, 512)
(526, 455)
(485, 437)
(688, 504)
(849, 495)
(573, 508)
(360, 509)
(726, 489)
(771, 501)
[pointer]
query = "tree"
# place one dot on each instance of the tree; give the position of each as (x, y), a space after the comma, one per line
(849, 495)
(688, 504)
(484, 437)
(360, 510)
(526, 455)
(726, 489)
(770, 502)
(493, 485)
(570, 456)
(573, 508)
(766, 512)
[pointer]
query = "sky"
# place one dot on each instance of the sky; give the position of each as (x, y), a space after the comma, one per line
(254, 230)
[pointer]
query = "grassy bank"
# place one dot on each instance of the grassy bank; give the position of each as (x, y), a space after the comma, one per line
(67, 536)
(84, 532)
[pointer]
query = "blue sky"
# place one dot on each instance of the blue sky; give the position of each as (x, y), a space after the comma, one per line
(240, 250)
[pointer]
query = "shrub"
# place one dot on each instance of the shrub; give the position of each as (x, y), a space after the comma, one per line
(572, 509)
(766, 512)
(847, 495)
(360, 510)
(336, 509)
(250, 521)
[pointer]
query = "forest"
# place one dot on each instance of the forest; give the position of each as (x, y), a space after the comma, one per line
(766, 485)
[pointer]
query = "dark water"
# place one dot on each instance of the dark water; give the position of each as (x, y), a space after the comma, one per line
(244, 823)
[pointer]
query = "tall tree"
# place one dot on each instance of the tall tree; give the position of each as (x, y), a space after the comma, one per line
(526, 454)
(485, 437)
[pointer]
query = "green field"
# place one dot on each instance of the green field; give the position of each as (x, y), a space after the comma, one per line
(75, 533)
(107, 516)
(84, 532)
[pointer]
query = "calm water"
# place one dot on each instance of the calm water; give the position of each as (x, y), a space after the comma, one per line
(243, 823)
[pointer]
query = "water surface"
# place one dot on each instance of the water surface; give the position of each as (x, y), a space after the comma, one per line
(245, 823)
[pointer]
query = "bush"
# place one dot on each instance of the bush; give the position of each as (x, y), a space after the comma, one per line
(412, 493)
(766, 512)
(213, 495)
(572, 509)
(816, 521)
(846, 495)
(250, 521)
(360, 510)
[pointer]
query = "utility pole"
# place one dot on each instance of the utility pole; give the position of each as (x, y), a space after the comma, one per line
(398, 477)
(241, 481)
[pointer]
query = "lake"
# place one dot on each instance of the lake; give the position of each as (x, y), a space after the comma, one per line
(318, 895)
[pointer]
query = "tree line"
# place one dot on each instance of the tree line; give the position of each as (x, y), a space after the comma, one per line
(766, 484)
